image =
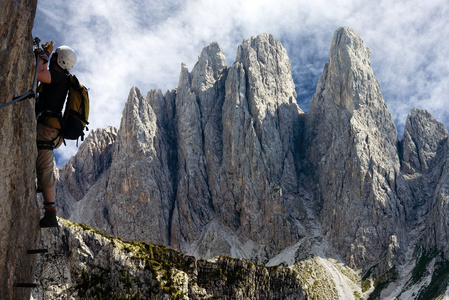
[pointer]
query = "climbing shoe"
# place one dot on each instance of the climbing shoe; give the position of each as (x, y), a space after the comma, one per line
(49, 219)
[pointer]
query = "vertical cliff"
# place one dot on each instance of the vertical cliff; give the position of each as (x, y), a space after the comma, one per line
(18, 212)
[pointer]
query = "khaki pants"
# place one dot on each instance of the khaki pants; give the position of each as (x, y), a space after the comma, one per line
(45, 157)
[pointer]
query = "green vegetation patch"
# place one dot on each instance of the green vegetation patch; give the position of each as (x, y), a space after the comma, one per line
(96, 284)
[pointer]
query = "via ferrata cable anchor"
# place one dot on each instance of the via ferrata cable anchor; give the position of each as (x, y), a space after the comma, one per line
(31, 93)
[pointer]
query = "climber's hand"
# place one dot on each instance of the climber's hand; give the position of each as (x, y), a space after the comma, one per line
(48, 46)
(42, 54)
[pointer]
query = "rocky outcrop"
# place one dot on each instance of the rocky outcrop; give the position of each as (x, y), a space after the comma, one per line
(18, 212)
(84, 264)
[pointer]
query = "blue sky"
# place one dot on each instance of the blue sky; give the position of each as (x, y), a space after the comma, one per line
(121, 44)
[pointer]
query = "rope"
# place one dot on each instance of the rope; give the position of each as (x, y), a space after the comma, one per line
(30, 93)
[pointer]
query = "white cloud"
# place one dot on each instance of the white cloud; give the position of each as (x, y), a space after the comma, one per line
(121, 44)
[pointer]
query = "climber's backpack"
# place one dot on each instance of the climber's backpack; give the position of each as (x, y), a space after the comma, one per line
(76, 110)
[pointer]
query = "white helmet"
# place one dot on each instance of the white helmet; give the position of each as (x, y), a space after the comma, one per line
(66, 57)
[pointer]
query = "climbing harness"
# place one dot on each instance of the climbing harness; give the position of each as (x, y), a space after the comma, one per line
(31, 93)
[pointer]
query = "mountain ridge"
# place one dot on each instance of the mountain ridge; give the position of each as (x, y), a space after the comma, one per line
(228, 164)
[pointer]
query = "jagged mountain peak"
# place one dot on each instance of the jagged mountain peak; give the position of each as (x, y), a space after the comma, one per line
(209, 67)
(96, 144)
(348, 76)
(83, 170)
(347, 43)
(268, 70)
(422, 137)
(354, 142)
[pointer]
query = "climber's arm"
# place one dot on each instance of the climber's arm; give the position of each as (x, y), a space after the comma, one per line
(43, 74)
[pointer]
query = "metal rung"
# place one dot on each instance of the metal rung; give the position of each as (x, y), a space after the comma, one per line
(25, 285)
(36, 251)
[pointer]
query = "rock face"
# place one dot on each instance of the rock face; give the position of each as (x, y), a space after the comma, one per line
(18, 212)
(228, 164)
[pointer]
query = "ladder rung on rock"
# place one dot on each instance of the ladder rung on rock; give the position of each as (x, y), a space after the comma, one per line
(25, 285)
(37, 251)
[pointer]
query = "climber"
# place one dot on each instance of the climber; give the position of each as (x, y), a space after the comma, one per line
(52, 95)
